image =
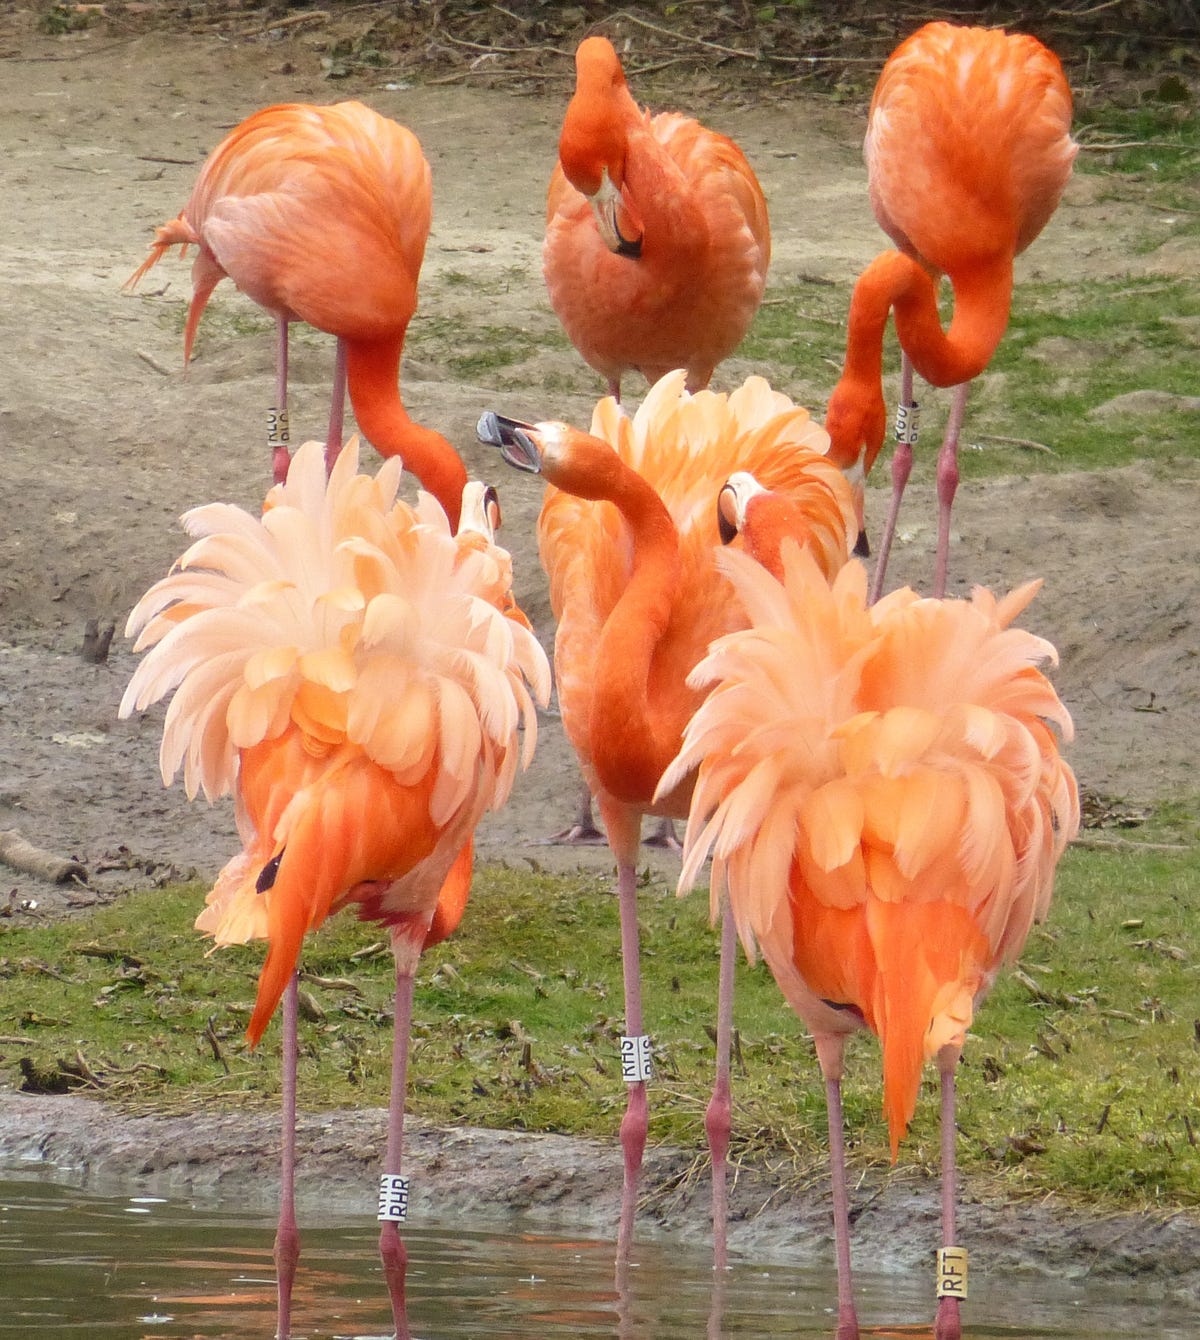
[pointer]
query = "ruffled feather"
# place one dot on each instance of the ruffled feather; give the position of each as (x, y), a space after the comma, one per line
(883, 780)
(343, 635)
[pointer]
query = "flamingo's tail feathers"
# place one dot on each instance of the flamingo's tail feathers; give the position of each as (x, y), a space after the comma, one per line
(452, 900)
(348, 821)
(298, 890)
(932, 962)
(176, 233)
(272, 981)
(202, 291)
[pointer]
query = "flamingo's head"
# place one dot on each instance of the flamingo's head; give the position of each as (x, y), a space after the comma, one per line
(734, 498)
(856, 421)
(480, 510)
(564, 456)
(593, 142)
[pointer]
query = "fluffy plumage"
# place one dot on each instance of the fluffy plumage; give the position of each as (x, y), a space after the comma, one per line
(341, 663)
(883, 798)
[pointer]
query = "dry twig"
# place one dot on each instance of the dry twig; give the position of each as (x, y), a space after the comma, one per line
(1026, 442)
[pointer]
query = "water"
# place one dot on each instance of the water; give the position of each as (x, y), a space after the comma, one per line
(76, 1263)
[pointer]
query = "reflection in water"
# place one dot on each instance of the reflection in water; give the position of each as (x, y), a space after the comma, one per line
(74, 1263)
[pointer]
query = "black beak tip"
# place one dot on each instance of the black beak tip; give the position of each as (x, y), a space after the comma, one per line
(862, 546)
(487, 430)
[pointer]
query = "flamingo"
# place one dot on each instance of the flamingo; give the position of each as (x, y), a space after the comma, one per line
(627, 536)
(657, 238)
(320, 214)
(349, 669)
(885, 803)
(968, 151)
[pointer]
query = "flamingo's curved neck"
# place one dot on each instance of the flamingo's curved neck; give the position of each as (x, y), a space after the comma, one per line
(895, 281)
(982, 296)
(631, 744)
(372, 377)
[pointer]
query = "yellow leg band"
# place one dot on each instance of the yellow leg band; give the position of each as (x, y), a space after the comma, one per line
(952, 1272)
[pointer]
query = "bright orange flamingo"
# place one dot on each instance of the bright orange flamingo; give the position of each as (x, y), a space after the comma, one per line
(320, 214)
(346, 667)
(657, 240)
(885, 802)
(627, 535)
(968, 151)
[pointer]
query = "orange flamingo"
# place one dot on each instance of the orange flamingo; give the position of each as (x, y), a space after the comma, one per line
(346, 667)
(968, 152)
(885, 802)
(320, 214)
(657, 239)
(627, 535)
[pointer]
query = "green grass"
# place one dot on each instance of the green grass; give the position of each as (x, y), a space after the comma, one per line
(1149, 154)
(1082, 1077)
(60, 19)
(1158, 139)
(471, 350)
(1071, 348)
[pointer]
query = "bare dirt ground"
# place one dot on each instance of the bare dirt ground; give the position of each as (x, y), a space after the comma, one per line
(106, 442)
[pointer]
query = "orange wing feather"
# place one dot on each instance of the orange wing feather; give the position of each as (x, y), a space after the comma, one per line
(262, 208)
(968, 144)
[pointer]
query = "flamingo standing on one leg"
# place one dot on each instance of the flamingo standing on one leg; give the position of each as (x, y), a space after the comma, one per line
(627, 535)
(320, 214)
(656, 250)
(346, 666)
(885, 803)
(968, 152)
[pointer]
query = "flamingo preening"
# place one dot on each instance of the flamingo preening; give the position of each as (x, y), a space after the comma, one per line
(884, 801)
(656, 249)
(657, 238)
(357, 676)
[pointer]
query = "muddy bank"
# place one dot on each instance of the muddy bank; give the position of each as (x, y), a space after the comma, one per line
(507, 1178)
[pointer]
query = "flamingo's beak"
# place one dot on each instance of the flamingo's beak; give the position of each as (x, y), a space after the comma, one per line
(513, 438)
(617, 221)
(727, 526)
